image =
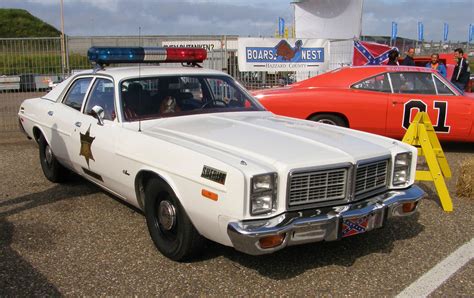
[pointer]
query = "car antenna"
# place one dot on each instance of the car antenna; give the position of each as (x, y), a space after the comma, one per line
(139, 76)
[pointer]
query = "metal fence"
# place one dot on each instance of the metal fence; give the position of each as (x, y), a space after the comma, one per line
(29, 65)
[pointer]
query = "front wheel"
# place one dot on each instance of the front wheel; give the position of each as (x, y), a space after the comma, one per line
(329, 119)
(170, 228)
(52, 169)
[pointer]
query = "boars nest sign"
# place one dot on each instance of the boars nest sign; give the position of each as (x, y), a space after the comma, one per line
(272, 54)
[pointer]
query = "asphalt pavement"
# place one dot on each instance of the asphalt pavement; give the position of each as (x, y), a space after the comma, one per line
(75, 239)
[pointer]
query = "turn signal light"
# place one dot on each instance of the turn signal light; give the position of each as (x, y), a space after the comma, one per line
(209, 194)
(271, 241)
(409, 207)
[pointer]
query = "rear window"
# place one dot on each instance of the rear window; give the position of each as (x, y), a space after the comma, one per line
(377, 83)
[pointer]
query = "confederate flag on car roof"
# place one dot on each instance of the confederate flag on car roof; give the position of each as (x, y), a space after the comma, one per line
(369, 53)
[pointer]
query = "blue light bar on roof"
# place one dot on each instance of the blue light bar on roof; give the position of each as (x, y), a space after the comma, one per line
(109, 55)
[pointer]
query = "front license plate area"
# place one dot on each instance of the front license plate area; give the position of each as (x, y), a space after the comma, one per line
(354, 226)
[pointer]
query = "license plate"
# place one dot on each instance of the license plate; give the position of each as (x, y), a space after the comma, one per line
(354, 226)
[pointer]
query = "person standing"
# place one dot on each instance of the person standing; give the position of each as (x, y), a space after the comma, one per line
(436, 64)
(393, 57)
(461, 70)
(409, 61)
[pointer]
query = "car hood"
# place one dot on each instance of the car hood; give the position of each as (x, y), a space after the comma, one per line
(266, 138)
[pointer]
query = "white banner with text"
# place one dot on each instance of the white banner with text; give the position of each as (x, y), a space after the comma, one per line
(275, 54)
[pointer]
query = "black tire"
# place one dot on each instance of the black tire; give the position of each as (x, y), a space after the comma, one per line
(174, 236)
(329, 119)
(52, 169)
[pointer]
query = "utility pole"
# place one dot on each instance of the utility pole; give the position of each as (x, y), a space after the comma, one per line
(63, 41)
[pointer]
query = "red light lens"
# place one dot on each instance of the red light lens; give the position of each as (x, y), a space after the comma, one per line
(185, 55)
(271, 241)
(409, 207)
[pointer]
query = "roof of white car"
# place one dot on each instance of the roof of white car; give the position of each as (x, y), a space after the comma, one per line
(120, 73)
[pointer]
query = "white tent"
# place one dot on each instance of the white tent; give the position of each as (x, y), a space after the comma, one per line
(329, 19)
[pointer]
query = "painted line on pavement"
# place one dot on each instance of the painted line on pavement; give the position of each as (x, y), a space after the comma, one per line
(434, 278)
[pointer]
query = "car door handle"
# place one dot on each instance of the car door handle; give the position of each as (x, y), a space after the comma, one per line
(50, 113)
(78, 124)
(396, 102)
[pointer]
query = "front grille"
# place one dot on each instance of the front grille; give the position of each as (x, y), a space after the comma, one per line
(371, 176)
(317, 186)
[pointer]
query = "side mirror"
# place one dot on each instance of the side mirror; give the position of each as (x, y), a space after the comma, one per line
(98, 112)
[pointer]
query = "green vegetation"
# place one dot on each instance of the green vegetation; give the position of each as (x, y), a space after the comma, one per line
(16, 64)
(20, 23)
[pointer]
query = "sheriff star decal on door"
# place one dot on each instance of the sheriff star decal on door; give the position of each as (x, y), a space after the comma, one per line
(86, 143)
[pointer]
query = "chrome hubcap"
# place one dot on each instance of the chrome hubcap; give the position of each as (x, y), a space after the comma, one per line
(166, 215)
(327, 121)
(48, 154)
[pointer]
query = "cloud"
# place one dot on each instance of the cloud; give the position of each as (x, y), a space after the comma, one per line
(120, 17)
(245, 17)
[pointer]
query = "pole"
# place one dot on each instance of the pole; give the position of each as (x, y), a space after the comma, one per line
(63, 45)
(294, 20)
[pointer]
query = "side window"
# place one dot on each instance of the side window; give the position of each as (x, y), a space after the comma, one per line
(77, 92)
(442, 88)
(412, 82)
(102, 94)
(378, 83)
(223, 94)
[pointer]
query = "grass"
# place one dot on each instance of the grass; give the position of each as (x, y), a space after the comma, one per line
(20, 23)
(465, 183)
(16, 64)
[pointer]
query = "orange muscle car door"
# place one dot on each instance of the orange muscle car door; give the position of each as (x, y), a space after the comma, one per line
(450, 114)
(367, 104)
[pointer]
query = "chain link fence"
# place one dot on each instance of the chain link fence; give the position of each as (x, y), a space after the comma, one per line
(26, 68)
(30, 66)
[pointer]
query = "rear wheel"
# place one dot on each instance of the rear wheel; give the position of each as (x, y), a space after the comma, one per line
(329, 119)
(170, 228)
(51, 167)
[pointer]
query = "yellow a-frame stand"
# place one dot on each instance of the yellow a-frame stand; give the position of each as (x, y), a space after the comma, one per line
(421, 134)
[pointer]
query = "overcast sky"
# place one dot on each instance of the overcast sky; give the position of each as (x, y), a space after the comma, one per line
(240, 17)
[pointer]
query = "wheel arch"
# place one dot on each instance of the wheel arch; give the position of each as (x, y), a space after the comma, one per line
(37, 133)
(141, 180)
(338, 114)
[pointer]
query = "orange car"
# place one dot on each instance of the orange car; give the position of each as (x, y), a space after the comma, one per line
(377, 99)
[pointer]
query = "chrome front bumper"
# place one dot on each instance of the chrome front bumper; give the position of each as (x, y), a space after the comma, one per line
(321, 224)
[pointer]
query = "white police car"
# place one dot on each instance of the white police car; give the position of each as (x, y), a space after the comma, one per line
(203, 159)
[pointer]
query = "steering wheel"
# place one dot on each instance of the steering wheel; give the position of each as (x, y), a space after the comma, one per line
(213, 103)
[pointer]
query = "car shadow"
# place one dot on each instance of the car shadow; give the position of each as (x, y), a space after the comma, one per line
(459, 147)
(295, 260)
(18, 278)
(75, 187)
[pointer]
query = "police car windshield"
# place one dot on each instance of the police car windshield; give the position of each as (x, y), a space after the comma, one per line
(167, 96)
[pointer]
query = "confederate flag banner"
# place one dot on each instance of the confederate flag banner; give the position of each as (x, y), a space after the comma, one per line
(370, 53)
